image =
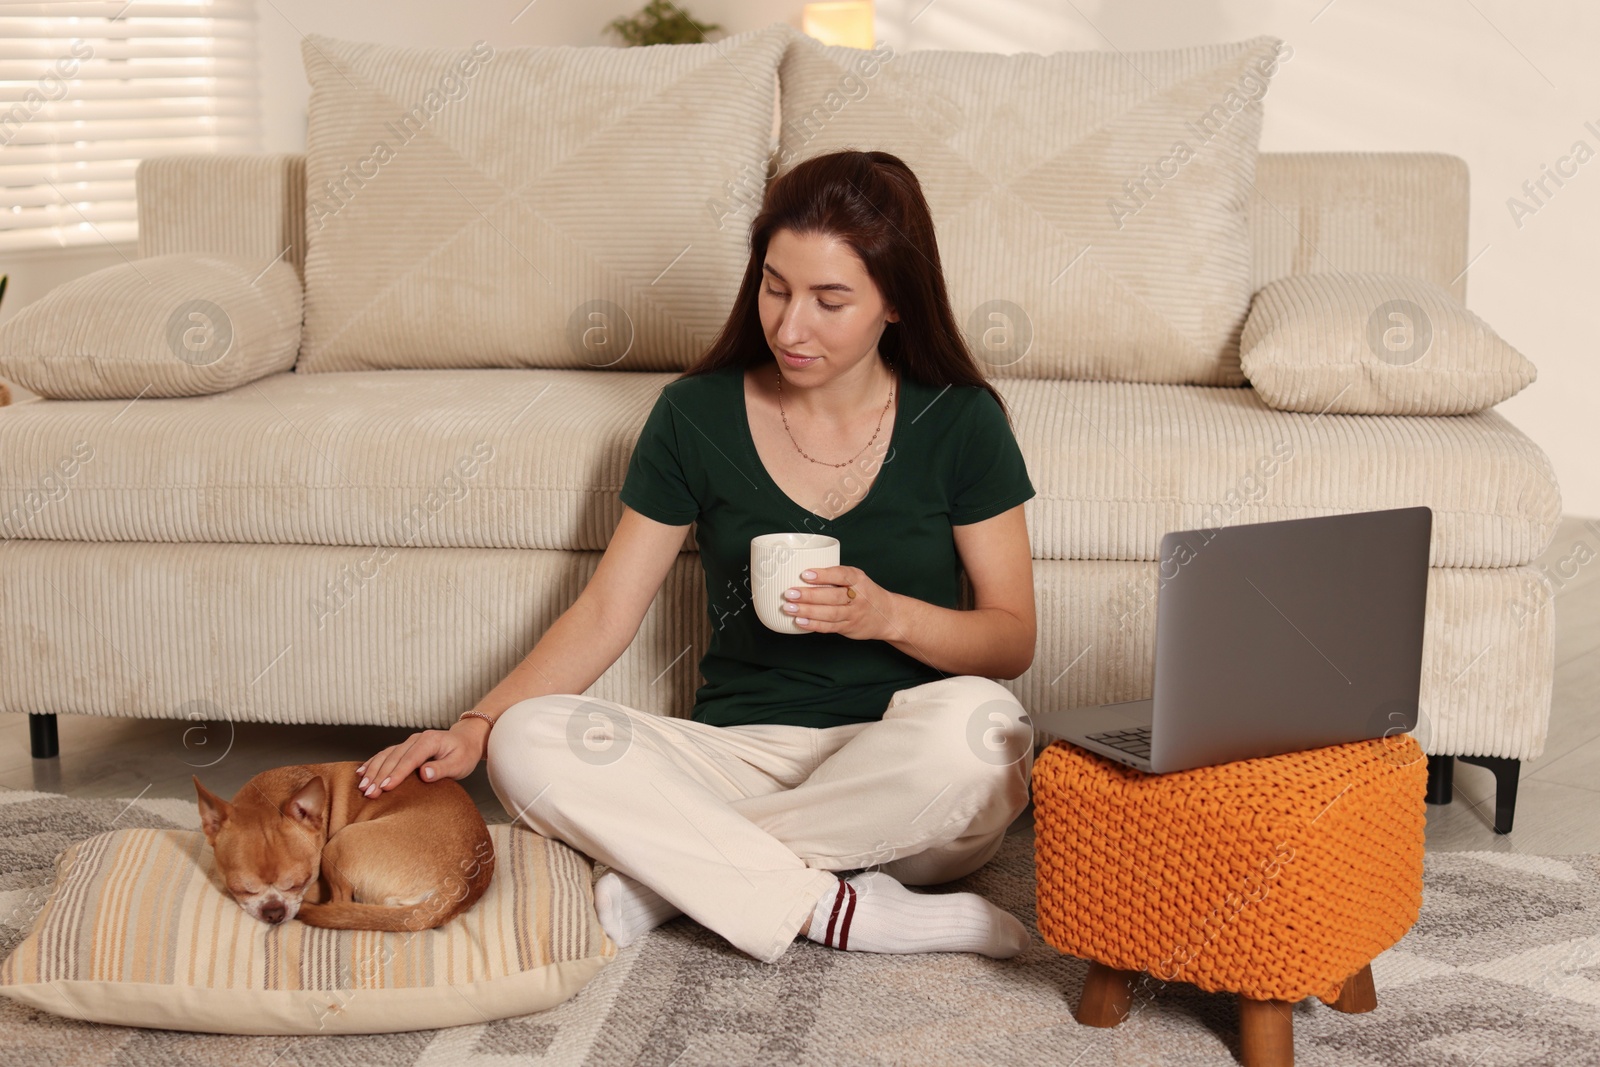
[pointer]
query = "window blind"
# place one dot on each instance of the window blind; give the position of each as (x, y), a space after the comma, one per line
(89, 89)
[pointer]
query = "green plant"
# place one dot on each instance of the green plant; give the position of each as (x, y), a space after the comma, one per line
(660, 22)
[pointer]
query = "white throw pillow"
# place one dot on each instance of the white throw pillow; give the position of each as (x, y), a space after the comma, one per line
(1375, 344)
(183, 324)
(1092, 207)
(550, 206)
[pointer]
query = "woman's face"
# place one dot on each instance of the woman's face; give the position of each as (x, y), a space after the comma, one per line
(817, 300)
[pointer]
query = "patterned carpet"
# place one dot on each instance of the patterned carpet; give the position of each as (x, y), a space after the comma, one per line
(1503, 968)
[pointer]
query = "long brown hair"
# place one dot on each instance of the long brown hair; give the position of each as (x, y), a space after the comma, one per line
(874, 204)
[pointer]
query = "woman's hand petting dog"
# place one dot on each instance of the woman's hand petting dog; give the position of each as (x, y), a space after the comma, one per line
(452, 753)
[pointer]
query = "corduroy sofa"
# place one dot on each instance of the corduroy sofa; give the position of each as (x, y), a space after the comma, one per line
(343, 545)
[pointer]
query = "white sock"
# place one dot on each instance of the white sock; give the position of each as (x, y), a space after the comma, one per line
(628, 908)
(878, 914)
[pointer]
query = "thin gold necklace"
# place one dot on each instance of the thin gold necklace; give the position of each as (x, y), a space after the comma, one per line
(864, 447)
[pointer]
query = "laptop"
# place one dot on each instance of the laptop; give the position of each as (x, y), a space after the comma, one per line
(1273, 637)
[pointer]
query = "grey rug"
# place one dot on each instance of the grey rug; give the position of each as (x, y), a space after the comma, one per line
(1502, 968)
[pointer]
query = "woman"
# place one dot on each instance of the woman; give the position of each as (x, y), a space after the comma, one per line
(881, 745)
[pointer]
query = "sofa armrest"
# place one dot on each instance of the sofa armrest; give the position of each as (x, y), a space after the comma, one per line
(1391, 212)
(250, 205)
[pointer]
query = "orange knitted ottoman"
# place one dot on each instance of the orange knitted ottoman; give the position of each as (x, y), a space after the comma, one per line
(1275, 879)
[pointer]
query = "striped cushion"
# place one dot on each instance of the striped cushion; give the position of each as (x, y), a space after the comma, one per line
(1375, 344)
(175, 325)
(1092, 207)
(138, 932)
(542, 206)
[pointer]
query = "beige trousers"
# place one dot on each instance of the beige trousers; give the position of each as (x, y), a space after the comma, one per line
(740, 826)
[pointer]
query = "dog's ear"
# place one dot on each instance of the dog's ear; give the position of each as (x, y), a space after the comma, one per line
(214, 811)
(310, 804)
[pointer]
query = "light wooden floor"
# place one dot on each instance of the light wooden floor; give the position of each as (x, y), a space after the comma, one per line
(1558, 809)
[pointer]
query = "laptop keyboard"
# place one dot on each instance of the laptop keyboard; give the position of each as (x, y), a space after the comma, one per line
(1135, 742)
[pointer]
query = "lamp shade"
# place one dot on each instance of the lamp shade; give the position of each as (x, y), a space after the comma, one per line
(847, 23)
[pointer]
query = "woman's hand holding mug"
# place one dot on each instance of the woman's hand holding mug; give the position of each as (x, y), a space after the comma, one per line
(835, 599)
(841, 600)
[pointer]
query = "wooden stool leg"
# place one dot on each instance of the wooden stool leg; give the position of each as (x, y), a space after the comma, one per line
(1358, 994)
(1107, 992)
(1266, 1033)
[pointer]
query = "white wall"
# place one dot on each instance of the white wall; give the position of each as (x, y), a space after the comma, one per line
(1507, 87)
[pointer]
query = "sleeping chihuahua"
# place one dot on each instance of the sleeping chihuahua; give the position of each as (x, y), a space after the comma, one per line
(302, 842)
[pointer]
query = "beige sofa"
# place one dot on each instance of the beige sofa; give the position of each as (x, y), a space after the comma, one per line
(382, 546)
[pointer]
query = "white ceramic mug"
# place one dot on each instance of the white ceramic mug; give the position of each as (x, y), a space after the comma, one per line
(776, 561)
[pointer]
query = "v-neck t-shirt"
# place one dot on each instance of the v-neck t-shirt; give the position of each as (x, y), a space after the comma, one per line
(951, 460)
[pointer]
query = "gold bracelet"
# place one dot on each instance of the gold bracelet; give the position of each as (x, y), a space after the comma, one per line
(476, 715)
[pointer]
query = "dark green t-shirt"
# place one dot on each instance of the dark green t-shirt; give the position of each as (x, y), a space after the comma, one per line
(951, 460)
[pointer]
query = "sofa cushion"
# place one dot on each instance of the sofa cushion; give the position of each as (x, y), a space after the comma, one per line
(1119, 464)
(528, 207)
(1374, 344)
(536, 458)
(175, 325)
(1092, 207)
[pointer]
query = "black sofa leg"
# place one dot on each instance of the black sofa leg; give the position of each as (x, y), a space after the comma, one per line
(42, 736)
(1441, 779)
(1507, 771)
